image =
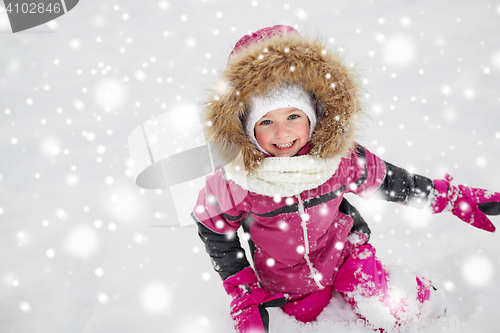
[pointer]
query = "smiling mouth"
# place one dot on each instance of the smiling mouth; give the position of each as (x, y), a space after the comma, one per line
(286, 145)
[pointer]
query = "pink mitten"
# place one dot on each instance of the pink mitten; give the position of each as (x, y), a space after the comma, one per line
(248, 308)
(468, 204)
(353, 241)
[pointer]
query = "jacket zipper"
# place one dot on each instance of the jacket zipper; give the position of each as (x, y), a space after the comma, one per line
(315, 275)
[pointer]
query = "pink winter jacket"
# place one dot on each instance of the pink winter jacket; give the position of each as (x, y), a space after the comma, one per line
(296, 241)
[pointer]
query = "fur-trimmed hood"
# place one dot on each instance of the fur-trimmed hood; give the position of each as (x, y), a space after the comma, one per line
(263, 66)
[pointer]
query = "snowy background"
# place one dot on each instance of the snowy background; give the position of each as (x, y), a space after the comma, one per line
(84, 249)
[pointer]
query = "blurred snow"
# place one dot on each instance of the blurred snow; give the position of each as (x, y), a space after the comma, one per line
(417, 218)
(83, 249)
(110, 93)
(50, 146)
(495, 59)
(399, 51)
(155, 298)
(82, 242)
(477, 270)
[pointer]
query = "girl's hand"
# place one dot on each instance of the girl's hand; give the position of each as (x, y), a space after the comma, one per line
(469, 204)
(248, 308)
(353, 241)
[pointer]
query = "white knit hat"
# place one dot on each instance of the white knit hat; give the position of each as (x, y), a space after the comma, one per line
(284, 97)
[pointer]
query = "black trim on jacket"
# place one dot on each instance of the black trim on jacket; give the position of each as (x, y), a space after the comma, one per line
(362, 156)
(245, 223)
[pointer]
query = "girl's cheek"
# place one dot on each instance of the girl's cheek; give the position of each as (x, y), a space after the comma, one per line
(263, 138)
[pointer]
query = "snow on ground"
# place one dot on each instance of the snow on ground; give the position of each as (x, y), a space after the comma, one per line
(83, 249)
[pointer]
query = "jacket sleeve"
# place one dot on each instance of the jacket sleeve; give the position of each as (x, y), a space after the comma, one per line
(218, 213)
(375, 178)
(409, 189)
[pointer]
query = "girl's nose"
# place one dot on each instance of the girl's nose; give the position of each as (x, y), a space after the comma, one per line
(282, 131)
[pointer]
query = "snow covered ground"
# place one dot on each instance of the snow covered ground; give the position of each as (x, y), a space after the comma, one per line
(84, 249)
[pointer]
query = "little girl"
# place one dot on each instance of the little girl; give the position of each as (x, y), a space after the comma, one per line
(292, 107)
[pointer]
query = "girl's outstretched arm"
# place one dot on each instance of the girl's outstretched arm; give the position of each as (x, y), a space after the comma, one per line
(398, 185)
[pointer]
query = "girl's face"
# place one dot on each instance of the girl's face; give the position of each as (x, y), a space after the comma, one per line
(283, 132)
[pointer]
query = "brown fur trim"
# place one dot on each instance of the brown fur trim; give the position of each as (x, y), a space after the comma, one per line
(261, 67)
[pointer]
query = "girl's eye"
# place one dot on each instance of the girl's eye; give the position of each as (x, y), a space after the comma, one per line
(265, 122)
(293, 116)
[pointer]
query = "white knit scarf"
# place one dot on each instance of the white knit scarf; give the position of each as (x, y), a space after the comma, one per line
(283, 176)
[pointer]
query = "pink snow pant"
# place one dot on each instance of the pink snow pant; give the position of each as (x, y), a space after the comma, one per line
(361, 274)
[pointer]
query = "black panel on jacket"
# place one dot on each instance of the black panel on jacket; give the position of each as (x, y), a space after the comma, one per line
(401, 186)
(359, 224)
(228, 257)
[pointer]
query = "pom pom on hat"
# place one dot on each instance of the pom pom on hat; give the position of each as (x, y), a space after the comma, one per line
(284, 97)
(261, 35)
